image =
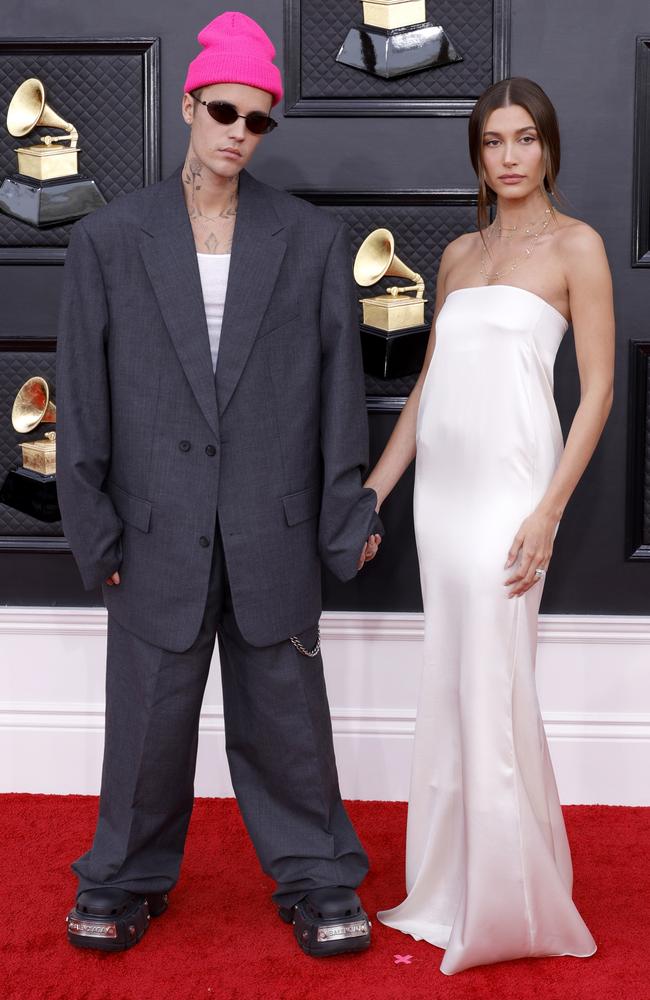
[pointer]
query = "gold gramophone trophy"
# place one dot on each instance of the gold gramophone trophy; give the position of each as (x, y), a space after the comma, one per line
(395, 38)
(393, 335)
(32, 488)
(48, 189)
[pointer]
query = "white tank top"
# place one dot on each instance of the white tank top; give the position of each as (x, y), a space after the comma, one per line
(214, 268)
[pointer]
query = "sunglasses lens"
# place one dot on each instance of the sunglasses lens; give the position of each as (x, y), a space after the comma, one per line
(259, 124)
(222, 112)
(226, 114)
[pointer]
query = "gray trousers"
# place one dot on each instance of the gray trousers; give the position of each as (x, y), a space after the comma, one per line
(278, 744)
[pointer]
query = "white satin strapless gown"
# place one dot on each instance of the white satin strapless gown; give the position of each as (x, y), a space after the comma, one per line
(488, 866)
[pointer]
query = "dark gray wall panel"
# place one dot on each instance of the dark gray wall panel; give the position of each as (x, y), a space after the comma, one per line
(583, 54)
(111, 152)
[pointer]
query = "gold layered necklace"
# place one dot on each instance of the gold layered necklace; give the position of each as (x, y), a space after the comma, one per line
(531, 229)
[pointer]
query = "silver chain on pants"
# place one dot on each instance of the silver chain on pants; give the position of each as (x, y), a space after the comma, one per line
(301, 649)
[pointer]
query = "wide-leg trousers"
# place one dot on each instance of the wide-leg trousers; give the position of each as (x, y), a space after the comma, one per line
(279, 748)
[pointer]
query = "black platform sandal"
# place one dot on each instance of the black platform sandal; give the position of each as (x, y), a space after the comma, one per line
(112, 919)
(329, 921)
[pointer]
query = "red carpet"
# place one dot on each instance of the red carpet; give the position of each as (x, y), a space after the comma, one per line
(221, 940)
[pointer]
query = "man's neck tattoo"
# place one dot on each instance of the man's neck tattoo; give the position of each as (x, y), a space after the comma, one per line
(192, 178)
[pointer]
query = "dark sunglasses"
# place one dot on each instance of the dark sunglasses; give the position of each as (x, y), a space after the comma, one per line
(227, 114)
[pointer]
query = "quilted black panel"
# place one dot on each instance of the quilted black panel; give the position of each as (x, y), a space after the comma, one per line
(646, 477)
(391, 386)
(468, 23)
(101, 94)
(421, 234)
(15, 368)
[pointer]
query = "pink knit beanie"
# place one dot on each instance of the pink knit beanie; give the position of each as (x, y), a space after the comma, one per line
(235, 50)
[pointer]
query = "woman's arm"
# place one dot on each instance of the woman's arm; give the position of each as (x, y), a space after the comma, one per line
(400, 449)
(592, 314)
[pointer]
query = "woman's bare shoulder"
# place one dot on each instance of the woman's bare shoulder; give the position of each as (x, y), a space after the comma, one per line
(462, 243)
(457, 249)
(574, 236)
(583, 258)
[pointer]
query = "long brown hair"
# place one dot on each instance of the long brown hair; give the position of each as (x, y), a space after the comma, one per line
(528, 95)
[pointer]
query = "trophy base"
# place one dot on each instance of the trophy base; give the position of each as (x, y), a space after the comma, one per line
(49, 203)
(391, 52)
(393, 355)
(31, 493)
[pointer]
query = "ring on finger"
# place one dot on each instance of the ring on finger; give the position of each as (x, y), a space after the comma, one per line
(540, 573)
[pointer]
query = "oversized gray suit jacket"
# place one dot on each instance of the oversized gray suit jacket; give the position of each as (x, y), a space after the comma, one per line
(151, 447)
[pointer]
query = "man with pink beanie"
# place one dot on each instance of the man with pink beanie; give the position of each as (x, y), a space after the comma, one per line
(212, 440)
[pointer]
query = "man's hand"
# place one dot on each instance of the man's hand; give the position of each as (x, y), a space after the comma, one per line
(114, 580)
(369, 550)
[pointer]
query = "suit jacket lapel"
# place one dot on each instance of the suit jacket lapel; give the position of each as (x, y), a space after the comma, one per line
(257, 255)
(169, 255)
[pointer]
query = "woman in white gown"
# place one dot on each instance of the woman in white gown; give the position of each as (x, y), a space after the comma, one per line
(488, 867)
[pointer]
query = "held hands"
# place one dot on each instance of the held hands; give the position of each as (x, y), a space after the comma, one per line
(532, 548)
(369, 550)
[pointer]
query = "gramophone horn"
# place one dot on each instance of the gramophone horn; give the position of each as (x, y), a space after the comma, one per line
(32, 406)
(29, 110)
(376, 258)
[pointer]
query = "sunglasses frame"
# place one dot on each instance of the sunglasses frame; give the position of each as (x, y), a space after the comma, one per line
(271, 123)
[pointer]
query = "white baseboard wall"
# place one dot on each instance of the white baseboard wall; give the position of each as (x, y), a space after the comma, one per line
(593, 678)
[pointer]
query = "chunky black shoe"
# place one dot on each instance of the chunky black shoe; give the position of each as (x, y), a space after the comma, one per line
(329, 921)
(112, 919)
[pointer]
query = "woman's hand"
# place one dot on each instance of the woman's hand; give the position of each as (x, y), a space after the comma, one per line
(369, 550)
(533, 548)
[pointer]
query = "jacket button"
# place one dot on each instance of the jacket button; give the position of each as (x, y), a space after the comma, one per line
(185, 445)
(204, 542)
(210, 450)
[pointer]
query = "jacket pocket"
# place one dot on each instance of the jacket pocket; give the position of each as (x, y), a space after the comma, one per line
(301, 506)
(133, 510)
(277, 321)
